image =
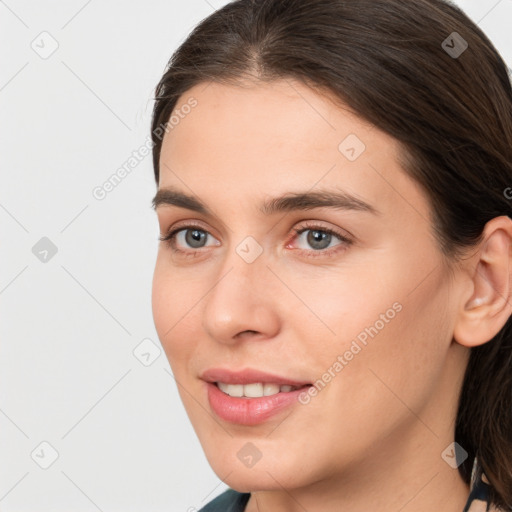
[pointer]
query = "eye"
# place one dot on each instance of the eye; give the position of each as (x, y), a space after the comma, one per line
(317, 238)
(190, 237)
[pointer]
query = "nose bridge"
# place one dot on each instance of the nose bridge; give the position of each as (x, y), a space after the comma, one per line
(238, 300)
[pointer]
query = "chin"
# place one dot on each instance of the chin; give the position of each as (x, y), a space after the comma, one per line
(244, 469)
(250, 480)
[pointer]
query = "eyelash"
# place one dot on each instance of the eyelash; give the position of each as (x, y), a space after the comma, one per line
(169, 238)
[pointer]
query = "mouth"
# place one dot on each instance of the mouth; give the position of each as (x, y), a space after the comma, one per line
(250, 397)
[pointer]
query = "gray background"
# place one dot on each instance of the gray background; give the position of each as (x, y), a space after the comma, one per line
(73, 373)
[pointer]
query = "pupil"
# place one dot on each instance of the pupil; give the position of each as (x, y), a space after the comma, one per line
(317, 239)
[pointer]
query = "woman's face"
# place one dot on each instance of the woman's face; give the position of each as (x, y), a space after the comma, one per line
(359, 301)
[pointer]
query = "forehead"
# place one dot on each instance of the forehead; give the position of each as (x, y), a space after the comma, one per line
(274, 136)
(252, 116)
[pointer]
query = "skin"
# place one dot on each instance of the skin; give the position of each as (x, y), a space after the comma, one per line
(372, 439)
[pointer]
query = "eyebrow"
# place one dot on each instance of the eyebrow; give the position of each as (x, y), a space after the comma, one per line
(285, 203)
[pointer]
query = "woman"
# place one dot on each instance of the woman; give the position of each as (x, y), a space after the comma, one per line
(333, 284)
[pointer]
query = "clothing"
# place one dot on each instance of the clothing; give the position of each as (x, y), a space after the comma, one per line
(478, 499)
(229, 501)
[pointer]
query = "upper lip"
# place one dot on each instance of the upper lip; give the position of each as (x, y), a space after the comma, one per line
(248, 376)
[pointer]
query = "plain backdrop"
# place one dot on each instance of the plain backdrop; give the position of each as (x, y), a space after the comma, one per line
(90, 417)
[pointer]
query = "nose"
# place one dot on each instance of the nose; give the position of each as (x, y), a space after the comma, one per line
(242, 302)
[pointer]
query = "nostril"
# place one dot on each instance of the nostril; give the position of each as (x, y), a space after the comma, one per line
(240, 334)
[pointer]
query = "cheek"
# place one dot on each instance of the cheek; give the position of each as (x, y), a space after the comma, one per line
(401, 362)
(340, 305)
(173, 314)
(389, 323)
(161, 301)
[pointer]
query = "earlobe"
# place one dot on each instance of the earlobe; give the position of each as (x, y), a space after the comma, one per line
(488, 308)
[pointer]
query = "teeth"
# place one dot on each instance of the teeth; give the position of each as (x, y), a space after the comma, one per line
(232, 389)
(254, 390)
(270, 389)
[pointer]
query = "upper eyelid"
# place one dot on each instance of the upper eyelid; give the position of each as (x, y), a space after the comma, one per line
(201, 223)
(313, 224)
(187, 225)
(309, 224)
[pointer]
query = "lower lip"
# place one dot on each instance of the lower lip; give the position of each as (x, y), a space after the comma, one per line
(249, 411)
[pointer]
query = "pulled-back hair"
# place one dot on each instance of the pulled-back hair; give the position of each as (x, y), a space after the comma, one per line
(451, 112)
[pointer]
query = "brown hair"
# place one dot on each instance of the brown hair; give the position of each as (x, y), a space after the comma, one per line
(390, 62)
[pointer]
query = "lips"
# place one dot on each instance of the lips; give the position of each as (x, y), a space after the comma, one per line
(249, 376)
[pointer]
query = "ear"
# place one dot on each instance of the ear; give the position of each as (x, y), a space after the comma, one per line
(487, 306)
